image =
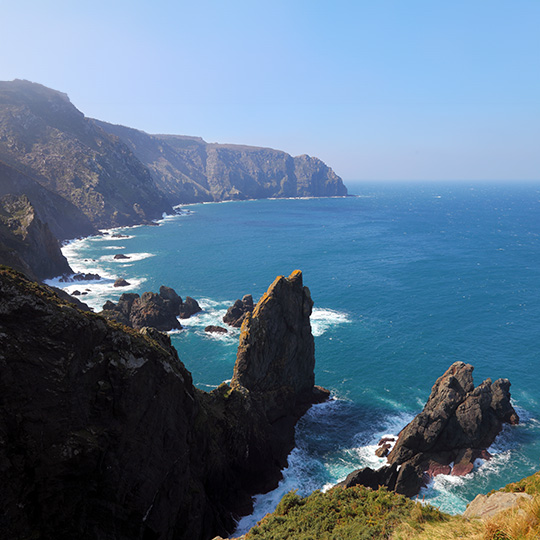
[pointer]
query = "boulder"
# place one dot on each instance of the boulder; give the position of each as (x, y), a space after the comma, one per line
(486, 506)
(237, 312)
(120, 256)
(120, 282)
(188, 308)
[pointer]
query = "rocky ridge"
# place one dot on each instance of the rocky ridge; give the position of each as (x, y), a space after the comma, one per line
(104, 435)
(237, 312)
(457, 425)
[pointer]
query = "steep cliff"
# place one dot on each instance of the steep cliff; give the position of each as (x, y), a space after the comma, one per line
(188, 169)
(43, 135)
(26, 243)
(104, 436)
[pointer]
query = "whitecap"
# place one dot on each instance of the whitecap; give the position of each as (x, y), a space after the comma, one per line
(323, 319)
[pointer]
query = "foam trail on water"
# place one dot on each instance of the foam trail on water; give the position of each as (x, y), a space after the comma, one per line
(323, 319)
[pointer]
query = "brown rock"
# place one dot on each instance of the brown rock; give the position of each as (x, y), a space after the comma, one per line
(486, 506)
(120, 282)
(216, 330)
(238, 311)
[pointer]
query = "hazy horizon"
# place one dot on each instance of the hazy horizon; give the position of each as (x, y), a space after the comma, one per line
(411, 91)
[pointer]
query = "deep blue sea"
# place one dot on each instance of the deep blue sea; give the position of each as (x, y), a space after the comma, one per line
(406, 279)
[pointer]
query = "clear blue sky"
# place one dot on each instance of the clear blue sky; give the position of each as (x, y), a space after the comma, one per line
(379, 89)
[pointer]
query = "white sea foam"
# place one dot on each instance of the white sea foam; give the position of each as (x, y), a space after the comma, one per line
(299, 472)
(131, 257)
(211, 315)
(323, 319)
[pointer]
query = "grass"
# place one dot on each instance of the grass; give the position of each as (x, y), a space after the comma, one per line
(359, 513)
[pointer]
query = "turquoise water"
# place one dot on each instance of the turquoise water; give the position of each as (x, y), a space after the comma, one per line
(406, 279)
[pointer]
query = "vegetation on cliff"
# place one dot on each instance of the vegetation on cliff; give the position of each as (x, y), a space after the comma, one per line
(358, 513)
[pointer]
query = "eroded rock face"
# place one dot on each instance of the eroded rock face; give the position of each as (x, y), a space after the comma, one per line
(457, 425)
(103, 435)
(237, 312)
(276, 354)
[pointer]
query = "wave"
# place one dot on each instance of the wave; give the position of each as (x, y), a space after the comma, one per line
(322, 319)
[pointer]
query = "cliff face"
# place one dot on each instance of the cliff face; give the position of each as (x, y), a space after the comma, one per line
(43, 135)
(188, 169)
(26, 243)
(104, 436)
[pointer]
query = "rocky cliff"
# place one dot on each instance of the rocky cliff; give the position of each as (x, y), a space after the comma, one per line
(188, 169)
(103, 435)
(457, 425)
(26, 243)
(44, 136)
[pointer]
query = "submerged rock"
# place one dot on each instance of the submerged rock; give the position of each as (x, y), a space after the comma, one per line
(457, 425)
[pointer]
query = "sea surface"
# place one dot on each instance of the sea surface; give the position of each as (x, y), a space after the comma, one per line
(406, 279)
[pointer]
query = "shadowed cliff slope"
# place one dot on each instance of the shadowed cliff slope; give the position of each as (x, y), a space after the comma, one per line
(103, 434)
(43, 135)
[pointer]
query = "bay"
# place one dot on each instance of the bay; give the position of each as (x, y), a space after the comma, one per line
(406, 279)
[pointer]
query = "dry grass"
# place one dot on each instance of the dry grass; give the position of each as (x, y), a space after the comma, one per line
(520, 523)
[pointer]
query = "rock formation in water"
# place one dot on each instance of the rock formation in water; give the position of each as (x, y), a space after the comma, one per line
(26, 243)
(104, 435)
(237, 312)
(457, 425)
(276, 354)
(151, 309)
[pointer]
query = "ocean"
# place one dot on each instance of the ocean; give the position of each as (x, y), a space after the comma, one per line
(406, 279)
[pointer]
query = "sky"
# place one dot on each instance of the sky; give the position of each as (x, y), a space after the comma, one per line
(379, 89)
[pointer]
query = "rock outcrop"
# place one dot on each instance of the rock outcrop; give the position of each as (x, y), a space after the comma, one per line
(276, 353)
(26, 243)
(237, 312)
(103, 434)
(151, 309)
(457, 425)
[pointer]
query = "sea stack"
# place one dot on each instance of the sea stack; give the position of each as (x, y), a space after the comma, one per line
(276, 353)
(457, 425)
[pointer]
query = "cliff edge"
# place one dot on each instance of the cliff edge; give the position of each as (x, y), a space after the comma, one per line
(103, 434)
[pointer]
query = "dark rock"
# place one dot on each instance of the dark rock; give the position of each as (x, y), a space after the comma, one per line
(215, 330)
(276, 353)
(121, 256)
(68, 298)
(84, 292)
(385, 476)
(26, 243)
(458, 423)
(79, 276)
(104, 435)
(152, 310)
(76, 293)
(189, 307)
(383, 450)
(120, 282)
(237, 312)
(118, 235)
